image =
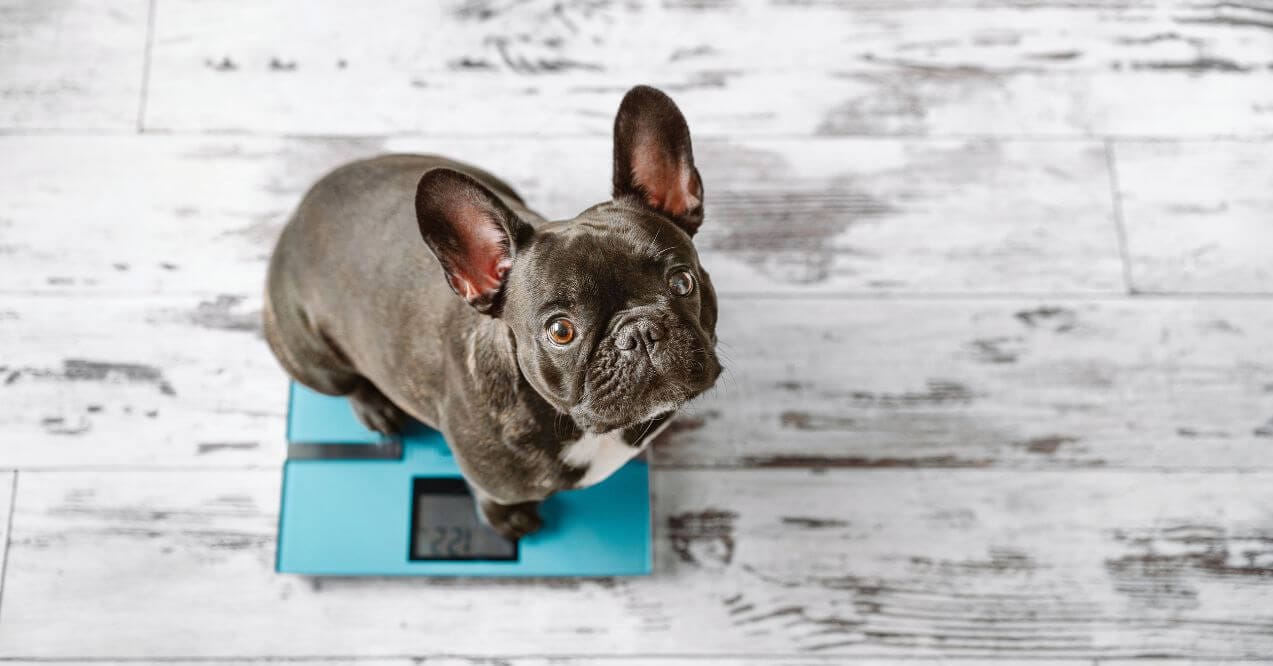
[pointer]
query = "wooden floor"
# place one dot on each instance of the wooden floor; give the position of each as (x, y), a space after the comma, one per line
(997, 306)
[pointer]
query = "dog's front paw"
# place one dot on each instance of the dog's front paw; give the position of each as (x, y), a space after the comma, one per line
(512, 521)
(376, 411)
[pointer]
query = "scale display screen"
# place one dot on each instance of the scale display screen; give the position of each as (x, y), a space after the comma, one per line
(445, 525)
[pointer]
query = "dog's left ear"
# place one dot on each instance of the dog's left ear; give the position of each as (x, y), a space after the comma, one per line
(653, 158)
(472, 233)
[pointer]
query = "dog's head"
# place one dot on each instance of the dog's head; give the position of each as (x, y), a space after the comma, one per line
(613, 316)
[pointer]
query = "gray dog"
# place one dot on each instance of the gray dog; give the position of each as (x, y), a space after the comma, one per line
(571, 343)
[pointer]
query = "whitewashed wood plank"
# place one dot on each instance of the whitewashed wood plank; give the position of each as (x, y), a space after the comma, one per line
(872, 563)
(737, 68)
(72, 65)
(1121, 383)
(1157, 384)
(1198, 216)
(586, 661)
(200, 214)
(128, 382)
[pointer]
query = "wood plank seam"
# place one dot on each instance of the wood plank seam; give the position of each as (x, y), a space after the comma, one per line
(8, 536)
(1116, 202)
(91, 132)
(145, 66)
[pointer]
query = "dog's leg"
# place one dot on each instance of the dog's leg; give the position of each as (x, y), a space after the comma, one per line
(376, 411)
(512, 521)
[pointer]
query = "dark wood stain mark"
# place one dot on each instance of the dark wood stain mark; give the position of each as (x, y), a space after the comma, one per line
(1221, 326)
(702, 80)
(743, 608)
(1155, 38)
(1060, 320)
(279, 65)
(168, 266)
(1197, 65)
(220, 314)
(212, 447)
(225, 64)
(700, 537)
(939, 392)
(808, 421)
(231, 541)
(1055, 56)
(1002, 349)
(100, 371)
(1265, 430)
(471, 64)
(687, 53)
(813, 523)
(1046, 445)
(690, 423)
(480, 10)
(1194, 432)
(121, 267)
(792, 386)
(1233, 21)
(862, 462)
(57, 425)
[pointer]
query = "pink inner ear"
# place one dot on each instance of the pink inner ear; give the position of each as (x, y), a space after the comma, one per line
(482, 261)
(666, 179)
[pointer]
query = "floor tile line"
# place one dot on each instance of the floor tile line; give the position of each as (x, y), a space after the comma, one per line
(1120, 227)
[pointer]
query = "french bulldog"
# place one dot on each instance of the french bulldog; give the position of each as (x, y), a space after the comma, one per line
(548, 353)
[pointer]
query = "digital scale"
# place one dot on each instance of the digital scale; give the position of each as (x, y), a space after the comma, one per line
(357, 503)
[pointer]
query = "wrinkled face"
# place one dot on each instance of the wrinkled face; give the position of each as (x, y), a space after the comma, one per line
(615, 320)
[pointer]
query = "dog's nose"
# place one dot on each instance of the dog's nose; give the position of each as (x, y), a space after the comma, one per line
(642, 331)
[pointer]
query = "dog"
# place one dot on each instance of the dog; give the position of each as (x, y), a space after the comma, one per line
(548, 353)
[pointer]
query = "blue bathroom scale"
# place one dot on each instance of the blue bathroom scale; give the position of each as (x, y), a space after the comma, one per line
(357, 503)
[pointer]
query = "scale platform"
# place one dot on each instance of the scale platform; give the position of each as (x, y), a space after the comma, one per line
(357, 503)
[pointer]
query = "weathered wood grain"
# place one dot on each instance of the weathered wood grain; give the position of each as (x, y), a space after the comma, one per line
(1198, 215)
(1038, 383)
(75, 64)
(738, 68)
(125, 215)
(872, 563)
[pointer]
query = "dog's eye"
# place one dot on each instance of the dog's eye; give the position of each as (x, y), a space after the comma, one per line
(681, 283)
(561, 331)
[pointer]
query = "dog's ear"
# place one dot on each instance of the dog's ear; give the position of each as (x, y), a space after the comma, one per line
(653, 158)
(472, 233)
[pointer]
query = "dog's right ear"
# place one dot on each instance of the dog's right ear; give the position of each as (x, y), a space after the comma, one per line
(472, 233)
(654, 160)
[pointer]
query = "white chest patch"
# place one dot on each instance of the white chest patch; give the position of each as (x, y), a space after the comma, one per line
(601, 454)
